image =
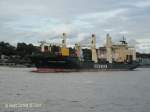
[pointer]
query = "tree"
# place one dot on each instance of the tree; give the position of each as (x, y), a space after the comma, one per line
(7, 49)
(24, 49)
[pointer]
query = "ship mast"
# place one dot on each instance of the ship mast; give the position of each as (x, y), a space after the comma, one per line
(109, 48)
(64, 40)
(123, 41)
(93, 48)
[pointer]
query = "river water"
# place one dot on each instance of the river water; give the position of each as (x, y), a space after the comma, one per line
(116, 91)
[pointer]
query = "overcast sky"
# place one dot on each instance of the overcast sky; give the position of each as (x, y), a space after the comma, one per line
(34, 20)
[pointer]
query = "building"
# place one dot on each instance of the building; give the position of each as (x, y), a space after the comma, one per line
(143, 59)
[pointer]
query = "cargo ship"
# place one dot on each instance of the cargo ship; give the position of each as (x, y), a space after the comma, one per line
(60, 58)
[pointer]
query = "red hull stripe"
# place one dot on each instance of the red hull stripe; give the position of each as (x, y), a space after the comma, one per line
(47, 70)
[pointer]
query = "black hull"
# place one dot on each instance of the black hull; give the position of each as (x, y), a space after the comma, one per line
(69, 64)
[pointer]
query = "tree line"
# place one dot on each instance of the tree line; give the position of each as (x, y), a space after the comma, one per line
(22, 50)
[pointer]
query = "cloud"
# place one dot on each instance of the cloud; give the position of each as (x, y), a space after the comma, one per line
(102, 16)
(143, 4)
(143, 45)
(124, 32)
(108, 30)
(34, 20)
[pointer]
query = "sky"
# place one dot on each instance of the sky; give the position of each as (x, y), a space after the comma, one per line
(31, 21)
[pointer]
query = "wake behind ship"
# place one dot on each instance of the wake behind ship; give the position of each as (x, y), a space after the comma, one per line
(60, 58)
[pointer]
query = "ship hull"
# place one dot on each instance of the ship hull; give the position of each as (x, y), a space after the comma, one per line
(72, 64)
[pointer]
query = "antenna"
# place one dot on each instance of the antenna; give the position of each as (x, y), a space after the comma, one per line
(123, 41)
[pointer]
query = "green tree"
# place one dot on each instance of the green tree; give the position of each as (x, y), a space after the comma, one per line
(7, 49)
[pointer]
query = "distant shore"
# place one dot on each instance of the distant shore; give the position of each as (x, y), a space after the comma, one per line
(17, 65)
